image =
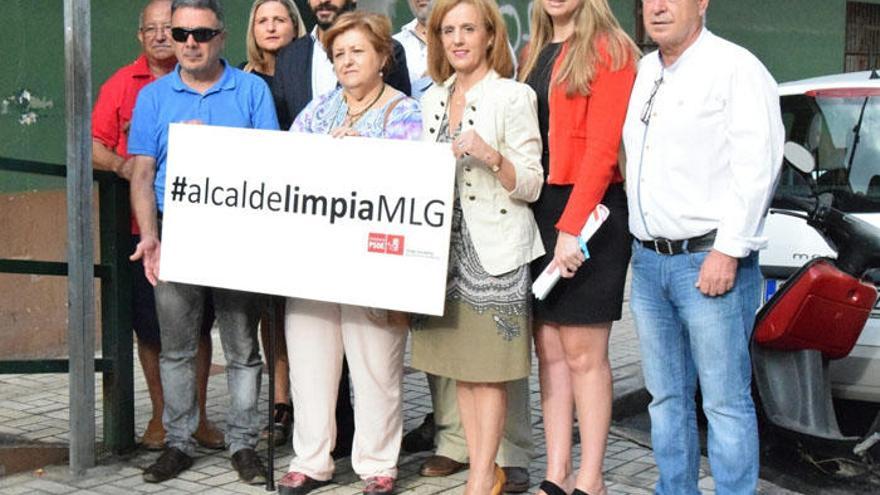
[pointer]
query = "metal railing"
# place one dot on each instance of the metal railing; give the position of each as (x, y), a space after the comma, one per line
(113, 270)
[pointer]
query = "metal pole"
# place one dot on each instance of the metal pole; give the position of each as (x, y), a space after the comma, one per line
(270, 357)
(80, 248)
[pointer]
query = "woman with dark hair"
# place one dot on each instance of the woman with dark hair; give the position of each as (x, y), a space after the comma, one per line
(581, 64)
(483, 339)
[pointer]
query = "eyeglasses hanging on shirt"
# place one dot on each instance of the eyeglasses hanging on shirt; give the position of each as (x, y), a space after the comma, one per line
(649, 105)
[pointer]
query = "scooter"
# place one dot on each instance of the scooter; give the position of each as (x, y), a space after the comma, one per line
(815, 317)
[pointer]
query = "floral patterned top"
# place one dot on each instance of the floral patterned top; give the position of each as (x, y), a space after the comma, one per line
(328, 111)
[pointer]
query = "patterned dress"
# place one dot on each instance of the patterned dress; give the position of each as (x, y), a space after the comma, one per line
(484, 334)
(328, 111)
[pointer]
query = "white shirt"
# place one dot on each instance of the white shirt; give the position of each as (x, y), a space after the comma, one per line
(323, 75)
(416, 50)
(416, 58)
(712, 150)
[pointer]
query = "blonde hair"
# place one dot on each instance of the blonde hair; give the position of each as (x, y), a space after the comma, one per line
(376, 27)
(593, 23)
(498, 55)
(256, 56)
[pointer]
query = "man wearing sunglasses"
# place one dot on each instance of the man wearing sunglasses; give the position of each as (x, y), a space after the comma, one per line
(111, 118)
(703, 138)
(202, 89)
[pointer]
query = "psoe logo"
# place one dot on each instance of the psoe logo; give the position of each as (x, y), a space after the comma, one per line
(394, 245)
(384, 243)
(376, 243)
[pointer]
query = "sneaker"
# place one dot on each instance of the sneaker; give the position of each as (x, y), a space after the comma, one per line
(422, 438)
(209, 436)
(154, 435)
(171, 463)
(294, 483)
(249, 467)
(379, 485)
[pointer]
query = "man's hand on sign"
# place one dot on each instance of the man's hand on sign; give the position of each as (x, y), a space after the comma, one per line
(148, 249)
(717, 274)
(194, 122)
(567, 256)
(340, 132)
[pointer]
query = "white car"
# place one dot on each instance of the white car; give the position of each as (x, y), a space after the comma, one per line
(837, 118)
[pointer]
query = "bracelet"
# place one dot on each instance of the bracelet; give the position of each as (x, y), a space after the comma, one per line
(496, 167)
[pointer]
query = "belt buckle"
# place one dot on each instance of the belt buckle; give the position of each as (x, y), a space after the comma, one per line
(660, 242)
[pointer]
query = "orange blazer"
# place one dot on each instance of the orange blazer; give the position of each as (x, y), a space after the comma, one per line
(584, 137)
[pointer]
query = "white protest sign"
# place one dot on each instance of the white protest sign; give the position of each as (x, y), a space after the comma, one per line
(355, 221)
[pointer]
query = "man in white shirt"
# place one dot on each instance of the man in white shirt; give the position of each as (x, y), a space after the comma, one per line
(413, 37)
(703, 138)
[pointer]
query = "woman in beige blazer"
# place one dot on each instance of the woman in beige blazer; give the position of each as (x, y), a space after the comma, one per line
(483, 340)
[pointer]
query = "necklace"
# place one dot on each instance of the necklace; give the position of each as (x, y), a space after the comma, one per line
(352, 117)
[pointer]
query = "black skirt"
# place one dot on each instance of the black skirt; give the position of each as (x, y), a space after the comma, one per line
(595, 293)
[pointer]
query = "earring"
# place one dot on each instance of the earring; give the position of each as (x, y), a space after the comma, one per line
(381, 74)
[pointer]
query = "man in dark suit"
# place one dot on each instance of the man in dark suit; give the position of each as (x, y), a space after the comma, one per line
(303, 71)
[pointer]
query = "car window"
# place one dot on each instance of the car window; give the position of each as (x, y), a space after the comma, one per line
(843, 133)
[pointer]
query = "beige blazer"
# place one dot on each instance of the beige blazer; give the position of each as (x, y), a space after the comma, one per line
(504, 113)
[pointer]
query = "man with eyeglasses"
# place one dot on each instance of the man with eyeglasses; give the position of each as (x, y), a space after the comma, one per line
(111, 118)
(202, 89)
(703, 138)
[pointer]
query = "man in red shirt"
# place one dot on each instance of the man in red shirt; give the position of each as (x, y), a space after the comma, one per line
(110, 121)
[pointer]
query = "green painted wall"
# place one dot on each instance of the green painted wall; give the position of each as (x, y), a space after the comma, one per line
(32, 40)
(32, 79)
(794, 38)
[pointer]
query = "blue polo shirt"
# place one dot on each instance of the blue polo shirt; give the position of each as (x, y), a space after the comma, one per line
(238, 99)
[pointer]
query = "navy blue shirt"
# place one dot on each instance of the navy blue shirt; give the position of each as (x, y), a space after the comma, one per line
(238, 99)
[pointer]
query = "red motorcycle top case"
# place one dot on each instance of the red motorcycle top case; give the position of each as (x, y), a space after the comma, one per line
(819, 307)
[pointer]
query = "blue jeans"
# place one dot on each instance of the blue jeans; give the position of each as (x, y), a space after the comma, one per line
(685, 337)
(181, 308)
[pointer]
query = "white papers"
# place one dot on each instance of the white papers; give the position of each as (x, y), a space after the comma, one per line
(548, 278)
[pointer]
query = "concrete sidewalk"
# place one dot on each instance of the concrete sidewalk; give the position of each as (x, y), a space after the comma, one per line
(33, 408)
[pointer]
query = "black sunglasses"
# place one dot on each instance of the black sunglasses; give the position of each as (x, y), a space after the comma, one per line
(201, 35)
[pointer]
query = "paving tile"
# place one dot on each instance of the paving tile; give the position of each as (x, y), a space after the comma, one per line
(35, 407)
(20, 490)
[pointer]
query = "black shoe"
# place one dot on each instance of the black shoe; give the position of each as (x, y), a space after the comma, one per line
(420, 439)
(172, 462)
(249, 466)
(516, 480)
(283, 424)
